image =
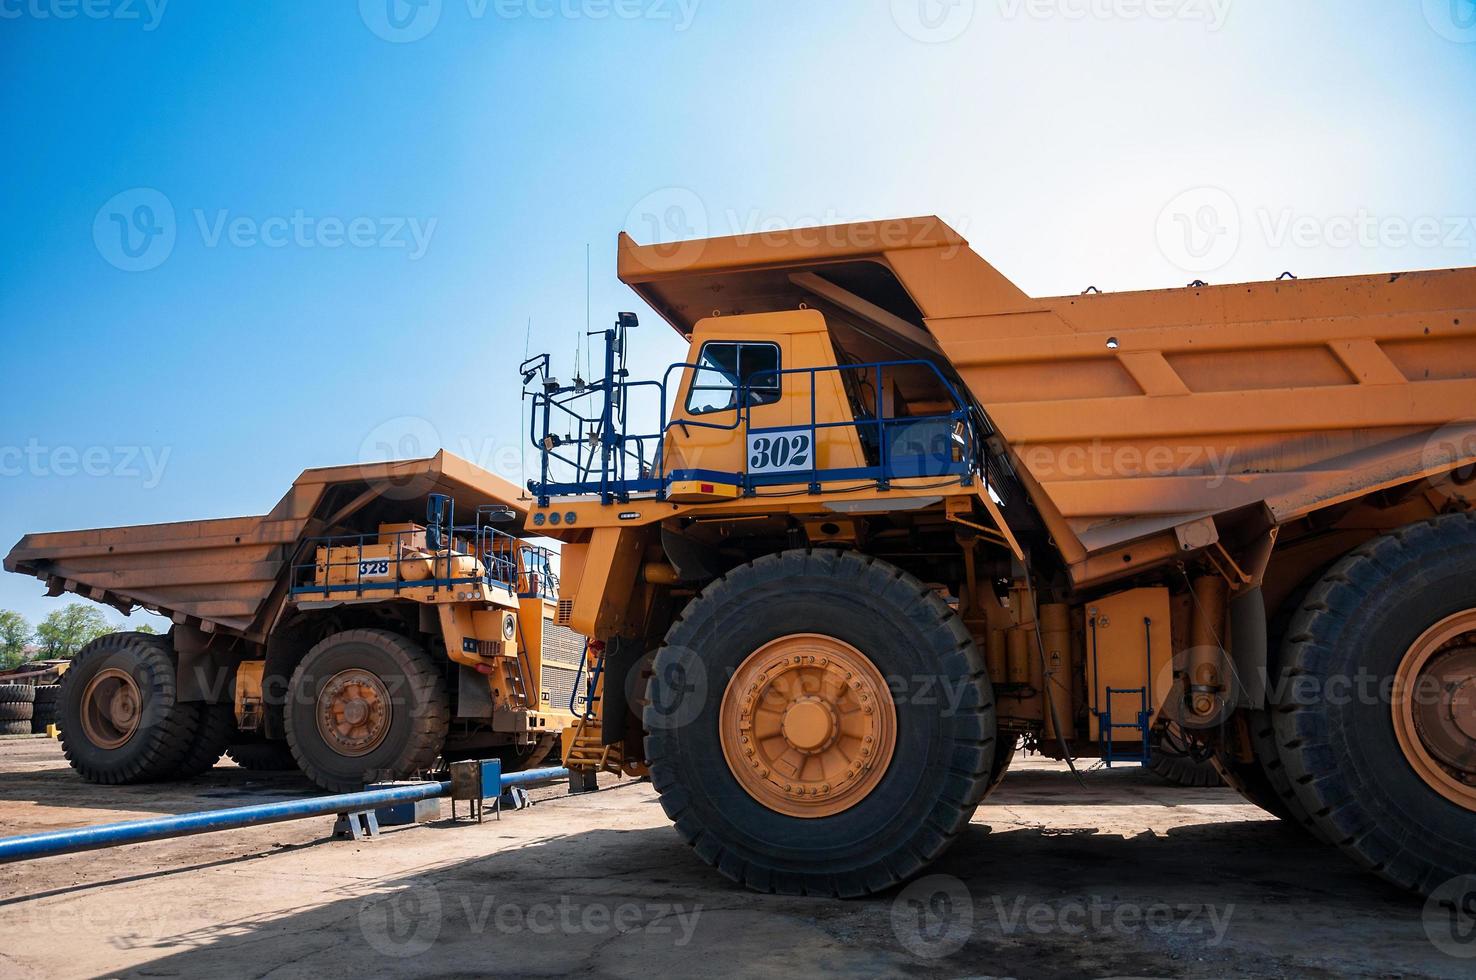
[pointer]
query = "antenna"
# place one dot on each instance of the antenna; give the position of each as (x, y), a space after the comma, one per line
(587, 368)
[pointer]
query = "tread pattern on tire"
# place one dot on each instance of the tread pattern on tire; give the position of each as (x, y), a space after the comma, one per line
(1380, 835)
(17, 711)
(1184, 770)
(214, 726)
(17, 694)
(166, 743)
(969, 768)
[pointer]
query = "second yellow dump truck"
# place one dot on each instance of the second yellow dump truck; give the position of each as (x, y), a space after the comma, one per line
(358, 631)
(890, 518)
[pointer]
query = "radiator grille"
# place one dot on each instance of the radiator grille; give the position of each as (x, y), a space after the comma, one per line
(560, 643)
(558, 684)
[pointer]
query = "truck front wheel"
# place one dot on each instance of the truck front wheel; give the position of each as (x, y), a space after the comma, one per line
(1377, 728)
(819, 723)
(365, 704)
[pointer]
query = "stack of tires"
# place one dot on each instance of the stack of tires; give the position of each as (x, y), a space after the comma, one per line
(45, 710)
(17, 705)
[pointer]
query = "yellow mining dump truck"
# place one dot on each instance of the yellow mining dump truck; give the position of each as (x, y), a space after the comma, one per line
(337, 633)
(891, 517)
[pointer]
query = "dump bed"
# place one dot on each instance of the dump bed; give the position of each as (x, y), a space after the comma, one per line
(230, 574)
(1129, 413)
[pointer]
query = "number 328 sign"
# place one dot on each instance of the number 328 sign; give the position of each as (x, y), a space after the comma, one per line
(781, 451)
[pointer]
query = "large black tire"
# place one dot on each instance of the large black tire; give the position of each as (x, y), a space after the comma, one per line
(944, 753)
(214, 726)
(17, 711)
(17, 693)
(419, 709)
(1341, 753)
(47, 693)
(15, 728)
(263, 756)
(165, 729)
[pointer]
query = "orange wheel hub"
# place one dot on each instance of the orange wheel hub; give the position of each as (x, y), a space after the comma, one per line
(354, 712)
(1435, 708)
(112, 706)
(807, 725)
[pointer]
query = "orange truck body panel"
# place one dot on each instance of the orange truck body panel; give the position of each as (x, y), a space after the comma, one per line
(1130, 414)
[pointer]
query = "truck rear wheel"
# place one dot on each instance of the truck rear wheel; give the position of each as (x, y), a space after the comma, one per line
(366, 703)
(121, 721)
(214, 725)
(819, 723)
(1378, 728)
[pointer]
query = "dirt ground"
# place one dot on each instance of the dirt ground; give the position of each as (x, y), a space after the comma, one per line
(1127, 877)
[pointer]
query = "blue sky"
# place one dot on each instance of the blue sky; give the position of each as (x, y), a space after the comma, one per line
(370, 200)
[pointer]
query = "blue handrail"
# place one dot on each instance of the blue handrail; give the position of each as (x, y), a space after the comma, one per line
(609, 476)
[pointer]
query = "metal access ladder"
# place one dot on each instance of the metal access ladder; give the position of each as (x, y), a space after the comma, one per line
(1106, 727)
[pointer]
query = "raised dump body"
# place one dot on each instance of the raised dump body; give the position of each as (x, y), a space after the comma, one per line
(356, 629)
(1129, 413)
(230, 574)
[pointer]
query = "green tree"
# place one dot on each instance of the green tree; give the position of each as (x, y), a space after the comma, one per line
(15, 633)
(70, 628)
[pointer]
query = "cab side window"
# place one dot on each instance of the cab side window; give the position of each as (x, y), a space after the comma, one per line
(722, 366)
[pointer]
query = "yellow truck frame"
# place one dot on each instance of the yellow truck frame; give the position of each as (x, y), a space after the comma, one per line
(334, 634)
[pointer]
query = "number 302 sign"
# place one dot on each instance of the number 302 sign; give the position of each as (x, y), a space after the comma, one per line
(780, 452)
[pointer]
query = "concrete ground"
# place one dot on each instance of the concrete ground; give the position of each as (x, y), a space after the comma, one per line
(1128, 876)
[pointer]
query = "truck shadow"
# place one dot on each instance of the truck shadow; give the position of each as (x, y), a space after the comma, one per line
(638, 901)
(224, 786)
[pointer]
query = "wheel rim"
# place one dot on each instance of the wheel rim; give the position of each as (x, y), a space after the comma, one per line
(1434, 701)
(807, 725)
(354, 712)
(112, 705)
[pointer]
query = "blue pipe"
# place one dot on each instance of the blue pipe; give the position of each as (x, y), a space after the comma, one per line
(530, 777)
(29, 846)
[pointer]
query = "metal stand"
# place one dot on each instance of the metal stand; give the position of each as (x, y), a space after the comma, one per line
(358, 824)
